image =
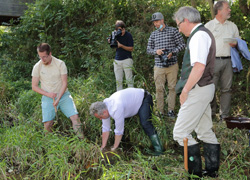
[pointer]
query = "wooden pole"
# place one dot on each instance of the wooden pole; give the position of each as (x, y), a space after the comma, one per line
(54, 106)
(185, 141)
(55, 110)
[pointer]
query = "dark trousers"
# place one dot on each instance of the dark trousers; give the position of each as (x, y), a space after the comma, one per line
(145, 114)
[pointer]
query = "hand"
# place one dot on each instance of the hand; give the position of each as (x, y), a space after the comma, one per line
(119, 45)
(56, 102)
(113, 149)
(159, 52)
(233, 44)
(102, 148)
(108, 40)
(183, 97)
(170, 55)
(51, 95)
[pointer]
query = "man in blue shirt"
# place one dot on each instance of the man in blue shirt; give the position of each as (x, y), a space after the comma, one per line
(123, 58)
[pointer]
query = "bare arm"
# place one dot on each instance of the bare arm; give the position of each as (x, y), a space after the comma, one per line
(64, 78)
(117, 141)
(105, 137)
(36, 88)
(194, 77)
(127, 48)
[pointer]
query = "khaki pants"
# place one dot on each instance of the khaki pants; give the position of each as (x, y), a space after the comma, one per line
(195, 115)
(161, 75)
(126, 66)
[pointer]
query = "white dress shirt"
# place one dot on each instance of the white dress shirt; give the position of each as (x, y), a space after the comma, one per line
(122, 104)
(199, 47)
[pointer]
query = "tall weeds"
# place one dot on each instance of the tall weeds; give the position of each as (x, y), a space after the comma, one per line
(77, 32)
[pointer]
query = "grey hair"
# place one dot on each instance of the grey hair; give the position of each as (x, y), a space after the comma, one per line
(97, 108)
(187, 12)
(218, 6)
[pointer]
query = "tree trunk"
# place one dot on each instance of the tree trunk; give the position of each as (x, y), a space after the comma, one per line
(211, 5)
(244, 6)
(193, 3)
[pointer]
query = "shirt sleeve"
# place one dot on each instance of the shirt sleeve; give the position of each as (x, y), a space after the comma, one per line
(119, 120)
(180, 44)
(119, 126)
(63, 68)
(35, 71)
(151, 45)
(236, 30)
(130, 41)
(199, 47)
(106, 125)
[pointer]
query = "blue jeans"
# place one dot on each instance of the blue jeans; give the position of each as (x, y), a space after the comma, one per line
(145, 114)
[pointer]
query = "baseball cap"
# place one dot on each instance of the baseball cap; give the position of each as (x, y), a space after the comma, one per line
(157, 16)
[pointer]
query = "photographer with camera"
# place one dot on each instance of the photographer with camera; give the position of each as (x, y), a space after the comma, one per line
(123, 42)
(164, 44)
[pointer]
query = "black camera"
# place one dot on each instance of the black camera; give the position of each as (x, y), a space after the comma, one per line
(164, 56)
(113, 38)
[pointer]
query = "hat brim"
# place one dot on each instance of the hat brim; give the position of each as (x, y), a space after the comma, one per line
(155, 20)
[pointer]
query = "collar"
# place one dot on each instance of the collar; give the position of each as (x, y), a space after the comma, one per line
(218, 22)
(195, 27)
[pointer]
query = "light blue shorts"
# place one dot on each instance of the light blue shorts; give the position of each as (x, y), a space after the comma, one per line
(66, 104)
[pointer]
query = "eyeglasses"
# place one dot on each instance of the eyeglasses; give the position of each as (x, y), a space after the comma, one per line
(43, 57)
(178, 25)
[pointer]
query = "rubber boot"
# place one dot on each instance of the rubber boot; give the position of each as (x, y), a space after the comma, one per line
(158, 150)
(194, 160)
(212, 159)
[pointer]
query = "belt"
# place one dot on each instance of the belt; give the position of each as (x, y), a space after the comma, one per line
(223, 57)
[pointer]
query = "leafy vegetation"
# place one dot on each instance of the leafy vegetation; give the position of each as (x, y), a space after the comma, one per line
(77, 32)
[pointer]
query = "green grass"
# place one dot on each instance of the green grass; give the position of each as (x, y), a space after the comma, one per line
(27, 153)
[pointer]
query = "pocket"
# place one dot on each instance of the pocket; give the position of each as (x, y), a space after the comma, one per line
(131, 62)
(46, 101)
(180, 85)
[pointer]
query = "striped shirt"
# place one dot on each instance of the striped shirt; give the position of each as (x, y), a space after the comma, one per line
(170, 39)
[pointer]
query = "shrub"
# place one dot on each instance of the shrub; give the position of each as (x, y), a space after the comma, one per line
(28, 103)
